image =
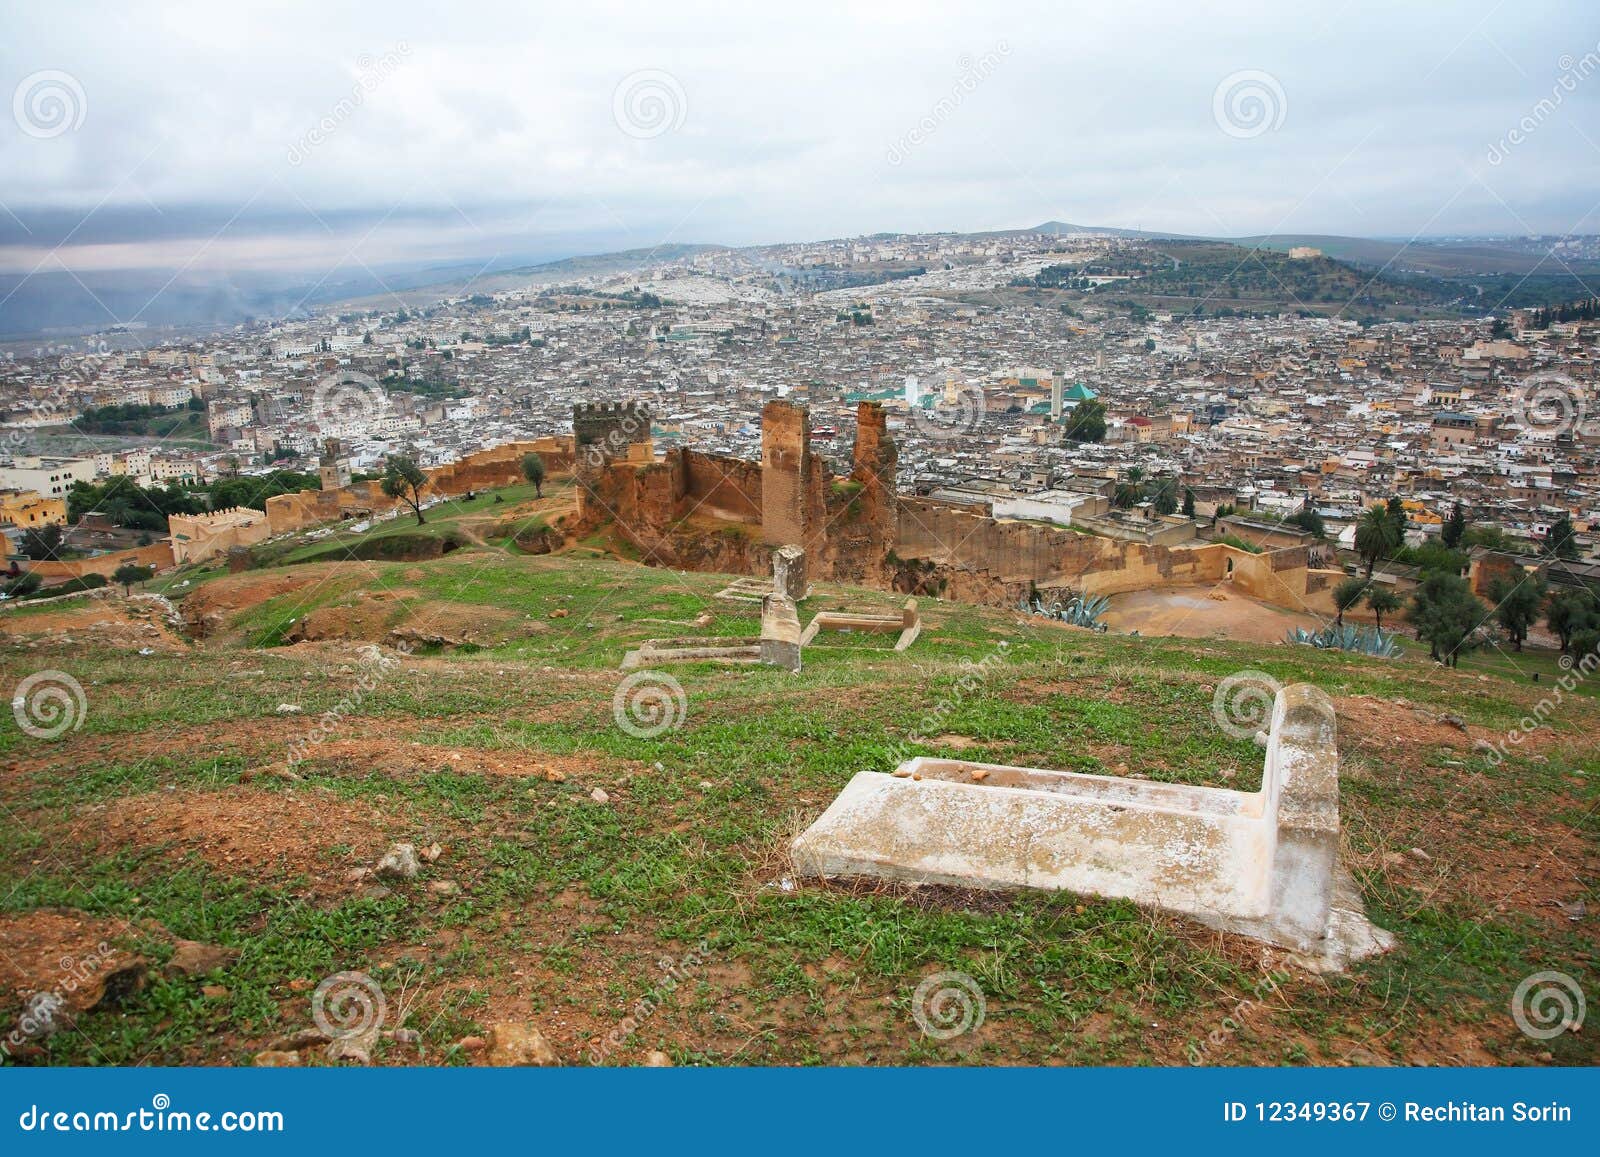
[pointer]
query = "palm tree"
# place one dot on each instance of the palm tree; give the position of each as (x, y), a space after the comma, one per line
(1375, 535)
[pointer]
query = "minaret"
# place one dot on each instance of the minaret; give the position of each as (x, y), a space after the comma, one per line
(1057, 385)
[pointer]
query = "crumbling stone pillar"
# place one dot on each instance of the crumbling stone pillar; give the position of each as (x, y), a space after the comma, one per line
(789, 572)
(785, 450)
(780, 632)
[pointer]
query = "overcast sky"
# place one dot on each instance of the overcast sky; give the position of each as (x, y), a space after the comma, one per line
(226, 136)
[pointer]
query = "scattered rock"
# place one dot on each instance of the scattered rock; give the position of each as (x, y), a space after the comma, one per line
(551, 775)
(276, 1059)
(444, 888)
(432, 852)
(300, 984)
(400, 862)
(191, 958)
(560, 614)
(405, 1036)
(214, 991)
(1419, 854)
(1455, 721)
(295, 1041)
(513, 1043)
(357, 1048)
(599, 795)
(656, 1059)
(472, 1044)
(289, 709)
(1261, 738)
(979, 775)
(1575, 911)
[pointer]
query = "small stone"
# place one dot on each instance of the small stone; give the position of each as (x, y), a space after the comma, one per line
(656, 1059)
(516, 1043)
(400, 862)
(979, 776)
(472, 1044)
(214, 991)
(274, 1059)
(599, 795)
(432, 852)
(300, 984)
(191, 958)
(1455, 721)
(1261, 738)
(705, 785)
(444, 887)
(289, 709)
(406, 1036)
(1419, 854)
(295, 1041)
(560, 614)
(551, 775)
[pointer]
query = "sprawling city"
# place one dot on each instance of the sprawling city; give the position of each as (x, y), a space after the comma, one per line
(654, 613)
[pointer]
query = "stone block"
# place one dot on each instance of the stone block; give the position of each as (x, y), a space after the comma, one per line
(1262, 864)
(780, 632)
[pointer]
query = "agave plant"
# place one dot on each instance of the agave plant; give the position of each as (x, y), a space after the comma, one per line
(1372, 641)
(1079, 610)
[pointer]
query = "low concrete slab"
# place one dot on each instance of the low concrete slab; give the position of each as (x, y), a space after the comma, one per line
(654, 652)
(780, 632)
(1262, 864)
(907, 624)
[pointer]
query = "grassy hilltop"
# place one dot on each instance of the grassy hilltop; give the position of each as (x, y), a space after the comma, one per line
(574, 857)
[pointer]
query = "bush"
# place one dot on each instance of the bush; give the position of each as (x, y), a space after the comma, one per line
(22, 586)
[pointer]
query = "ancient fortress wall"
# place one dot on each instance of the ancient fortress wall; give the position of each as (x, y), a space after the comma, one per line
(499, 466)
(712, 512)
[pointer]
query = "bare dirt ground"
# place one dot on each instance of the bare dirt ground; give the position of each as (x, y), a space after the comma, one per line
(109, 621)
(1200, 612)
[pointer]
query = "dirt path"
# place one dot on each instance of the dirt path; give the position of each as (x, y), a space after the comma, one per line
(1199, 612)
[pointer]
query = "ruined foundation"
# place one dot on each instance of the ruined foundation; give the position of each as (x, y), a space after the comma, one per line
(1262, 864)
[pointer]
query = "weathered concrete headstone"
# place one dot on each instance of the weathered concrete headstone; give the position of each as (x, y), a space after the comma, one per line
(780, 632)
(789, 572)
(1262, 864)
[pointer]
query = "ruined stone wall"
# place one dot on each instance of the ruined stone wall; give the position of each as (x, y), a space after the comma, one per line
(720, 486)
(965, 555)
(786, 465)
(486, 470)
(157, 554)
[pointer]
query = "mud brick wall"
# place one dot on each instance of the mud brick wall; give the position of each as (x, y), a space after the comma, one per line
(785, 459)
(485, 470)
(719, 485)
(157, 554)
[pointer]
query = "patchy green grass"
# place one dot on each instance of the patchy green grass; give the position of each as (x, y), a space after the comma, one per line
(561, 909)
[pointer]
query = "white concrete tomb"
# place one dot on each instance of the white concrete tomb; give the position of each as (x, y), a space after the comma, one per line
(1263, 864)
